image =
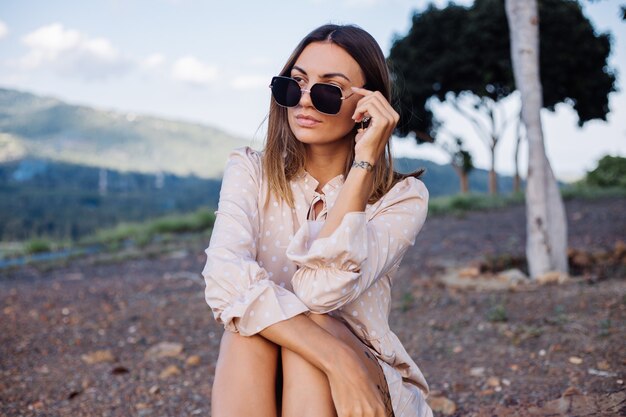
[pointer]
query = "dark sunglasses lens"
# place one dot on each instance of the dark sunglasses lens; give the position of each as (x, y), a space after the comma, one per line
(286, 91)
(326, 98)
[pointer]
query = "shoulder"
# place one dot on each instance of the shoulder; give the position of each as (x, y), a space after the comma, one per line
(407, 194)
(409, 188)
(245, 159)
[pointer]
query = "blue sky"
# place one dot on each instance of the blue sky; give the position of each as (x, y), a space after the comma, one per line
(211, 62)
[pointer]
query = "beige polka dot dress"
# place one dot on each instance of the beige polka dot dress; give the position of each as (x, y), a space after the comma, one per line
(265, 264)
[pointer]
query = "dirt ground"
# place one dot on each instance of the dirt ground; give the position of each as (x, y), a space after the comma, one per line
(135, 337)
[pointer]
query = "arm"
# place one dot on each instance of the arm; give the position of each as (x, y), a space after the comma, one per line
(353, 197)
(335, 270)
(239, 291)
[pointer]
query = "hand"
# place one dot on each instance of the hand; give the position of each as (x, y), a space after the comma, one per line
(354, 394)
(371, 142)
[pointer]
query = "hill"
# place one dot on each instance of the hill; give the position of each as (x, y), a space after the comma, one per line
(46, 128)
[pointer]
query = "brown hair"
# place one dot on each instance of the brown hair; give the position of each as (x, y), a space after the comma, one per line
(284, 155)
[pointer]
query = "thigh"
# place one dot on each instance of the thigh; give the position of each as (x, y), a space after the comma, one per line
(305, 384)
(246, 368)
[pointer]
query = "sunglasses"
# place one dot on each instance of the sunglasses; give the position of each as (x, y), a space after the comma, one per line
(326, 98)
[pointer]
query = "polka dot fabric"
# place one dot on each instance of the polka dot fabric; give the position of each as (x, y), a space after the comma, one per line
(265, 264)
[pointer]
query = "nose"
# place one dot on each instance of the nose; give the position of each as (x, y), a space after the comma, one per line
(305, 98)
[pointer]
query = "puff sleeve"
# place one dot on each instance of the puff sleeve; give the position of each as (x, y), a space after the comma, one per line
(335, 270)
(239, 291)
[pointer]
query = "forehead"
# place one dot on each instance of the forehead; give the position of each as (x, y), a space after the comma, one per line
(320, 58)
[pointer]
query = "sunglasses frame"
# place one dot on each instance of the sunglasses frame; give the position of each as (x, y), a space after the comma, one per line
(303, 90)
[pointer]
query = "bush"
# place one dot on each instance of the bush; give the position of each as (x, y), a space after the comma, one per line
(37, 245)
(610, 172)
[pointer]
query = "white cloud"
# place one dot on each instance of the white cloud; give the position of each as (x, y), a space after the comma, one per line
(4, 30)
(152, 61)
(71, 53)
(191, 70)
(250, 82)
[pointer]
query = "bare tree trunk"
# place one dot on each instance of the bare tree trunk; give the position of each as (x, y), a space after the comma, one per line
(493, 177)
(464, 183)
(462, 177)
(546, 228)
(516, 180)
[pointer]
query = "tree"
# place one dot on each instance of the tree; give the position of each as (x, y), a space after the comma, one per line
(461, 161)
(546, 228)
(610, 172)
(461, 55)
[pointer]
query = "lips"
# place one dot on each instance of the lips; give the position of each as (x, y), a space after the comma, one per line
(305, 117)
(306, 121)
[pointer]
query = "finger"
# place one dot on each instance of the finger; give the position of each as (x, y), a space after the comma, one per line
(383, 104)
(380, 116)
(362, 91)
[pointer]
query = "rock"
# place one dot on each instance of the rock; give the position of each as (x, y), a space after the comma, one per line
(596, 372)
(164, 349)
(552, 277)
(477, 371)
(471, 278)
(442, 405)
(120, 370)
(193, 360)
(154, 389)
(493, 381)
(98, 356)
(469, 272)
(513, 276)
(575, 360)
(169, 371)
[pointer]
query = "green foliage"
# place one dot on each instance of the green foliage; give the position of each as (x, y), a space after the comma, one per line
(457, 50)
(407, 301)
(142, 234)
(61, 201)
(497, 313)
(37, 245)
(604, 327)
(472, 201)
(610, 172)
(202, 219)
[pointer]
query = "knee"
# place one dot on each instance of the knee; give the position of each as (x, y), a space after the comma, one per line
(235, 342)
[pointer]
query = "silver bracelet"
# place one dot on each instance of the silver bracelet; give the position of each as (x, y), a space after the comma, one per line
(363, 164)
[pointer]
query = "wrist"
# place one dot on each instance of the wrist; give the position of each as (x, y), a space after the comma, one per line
(341, 355)
(363, 162)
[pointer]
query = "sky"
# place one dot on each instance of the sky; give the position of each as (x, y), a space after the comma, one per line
(211, 62)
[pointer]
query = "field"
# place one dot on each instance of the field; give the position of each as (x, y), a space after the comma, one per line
(120, 336)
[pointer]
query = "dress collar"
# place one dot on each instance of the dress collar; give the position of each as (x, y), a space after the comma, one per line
(308, 184)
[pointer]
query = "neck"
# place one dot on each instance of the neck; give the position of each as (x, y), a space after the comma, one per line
(325, 161)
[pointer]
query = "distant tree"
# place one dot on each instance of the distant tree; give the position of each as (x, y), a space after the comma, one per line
(461, 161)
(461, 56)
(546, 228)
(610, 172)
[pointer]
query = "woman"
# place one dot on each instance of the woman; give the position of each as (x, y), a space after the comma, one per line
(307, 238)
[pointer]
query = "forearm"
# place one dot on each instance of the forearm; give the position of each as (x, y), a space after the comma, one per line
(353, 197)
(303, 336)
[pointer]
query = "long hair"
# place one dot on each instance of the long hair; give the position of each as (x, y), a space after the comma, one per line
(284, 155)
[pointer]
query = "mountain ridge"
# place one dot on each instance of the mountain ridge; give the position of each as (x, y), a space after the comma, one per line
(48, 128)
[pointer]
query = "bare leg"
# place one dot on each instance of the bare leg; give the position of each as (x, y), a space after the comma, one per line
(245, 377)
(306, 391)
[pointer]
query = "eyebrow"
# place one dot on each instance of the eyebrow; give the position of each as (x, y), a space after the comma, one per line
(329, 75)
